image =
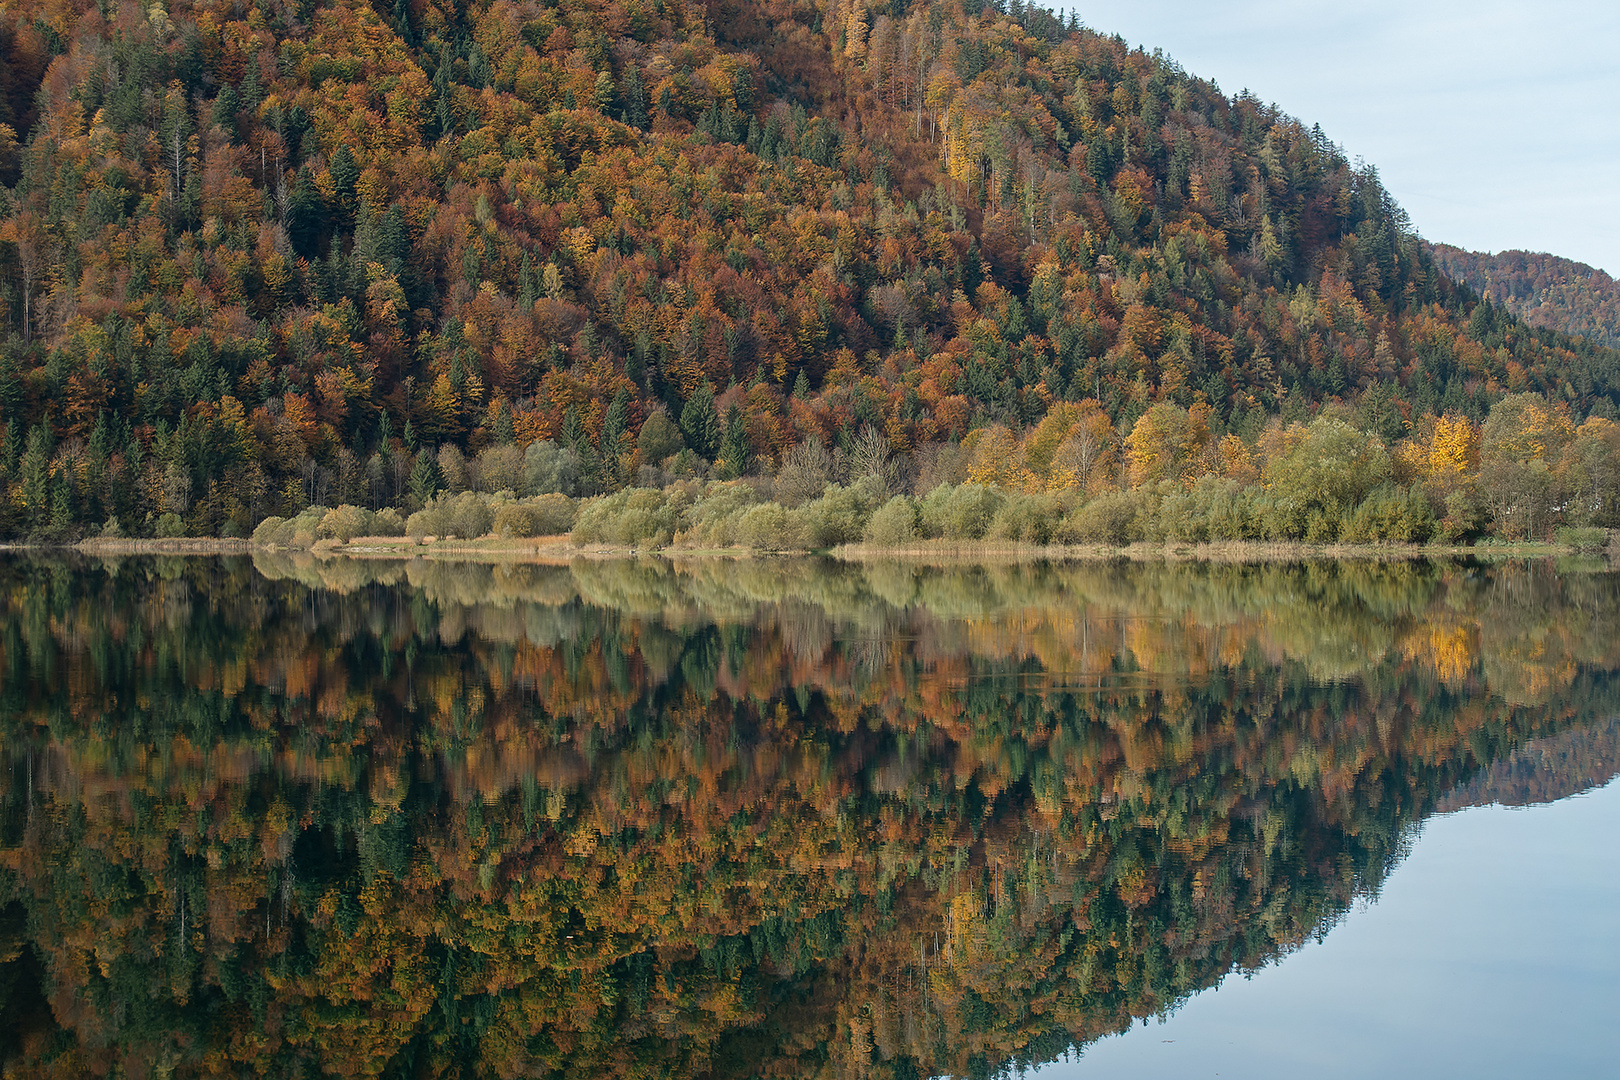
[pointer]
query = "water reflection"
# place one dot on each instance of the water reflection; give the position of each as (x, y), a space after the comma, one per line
(726, 818)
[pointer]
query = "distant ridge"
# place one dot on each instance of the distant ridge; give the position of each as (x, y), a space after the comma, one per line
(1543, 290)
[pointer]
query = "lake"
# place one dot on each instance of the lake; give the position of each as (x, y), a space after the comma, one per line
(294, 816)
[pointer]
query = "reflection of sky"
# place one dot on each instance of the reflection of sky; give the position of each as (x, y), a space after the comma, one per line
(1494, 951)
(1492, 122)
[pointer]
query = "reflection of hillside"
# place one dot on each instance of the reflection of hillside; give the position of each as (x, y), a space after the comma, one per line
(739, 818)
(1545, 770)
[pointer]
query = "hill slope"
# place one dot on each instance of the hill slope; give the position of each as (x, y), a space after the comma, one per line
(1543, 290)
(261, 257)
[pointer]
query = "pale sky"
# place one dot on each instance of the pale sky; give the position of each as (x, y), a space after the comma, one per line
(1493, 123)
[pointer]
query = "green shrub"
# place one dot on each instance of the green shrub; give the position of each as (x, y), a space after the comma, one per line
(169, 527)
(553, 514)
(711, 518)
(960, 513)
(514, 520)
(1279, 517)
(1027, 519)
(267, 531)
(467, 515)
(344, 524)
(773, 527)
(1465, 517)
(471, 515)
(545, 515)
(1582, 539)
(428, 521)
(297, 532)
(1212, 509)
(301, 531)
(1110, 518)
(1390, 513)
(387, 522)
(637, 517)
(1316, 485)
(840, 515)
(1230, 512)
(1176, 517)
(894, 523)
(1322, 525)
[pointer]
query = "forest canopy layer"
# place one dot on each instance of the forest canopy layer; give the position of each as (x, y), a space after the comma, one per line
(257, 257)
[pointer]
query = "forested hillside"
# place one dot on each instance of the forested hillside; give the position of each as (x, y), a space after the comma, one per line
(259, 257)
(1543, 290)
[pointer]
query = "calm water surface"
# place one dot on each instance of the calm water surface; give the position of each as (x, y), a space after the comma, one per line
(1492, 951)
(790, 818)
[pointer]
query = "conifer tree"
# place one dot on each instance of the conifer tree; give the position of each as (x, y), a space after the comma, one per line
(424, 481)
(700, 425)
(734, 454)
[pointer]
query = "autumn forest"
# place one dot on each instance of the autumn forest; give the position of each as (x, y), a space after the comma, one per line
(258, 258)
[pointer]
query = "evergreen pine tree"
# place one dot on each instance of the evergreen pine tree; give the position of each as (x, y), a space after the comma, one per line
(10, 450)
(424, 481)
(634, 95)
(61, 501)
(304, 214)
(734, 453)
(700, 426)
(226, 106)
(504, 433)
(345, 172)
(34, 471)
(250, 91)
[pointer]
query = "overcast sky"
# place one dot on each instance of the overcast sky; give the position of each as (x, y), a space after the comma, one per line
(1495, 124)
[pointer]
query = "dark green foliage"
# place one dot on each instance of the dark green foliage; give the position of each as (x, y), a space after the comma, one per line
(700, 424)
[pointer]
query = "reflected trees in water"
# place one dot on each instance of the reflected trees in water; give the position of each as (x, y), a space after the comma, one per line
(728, 818)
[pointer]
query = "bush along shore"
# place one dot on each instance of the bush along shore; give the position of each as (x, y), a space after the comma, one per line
(861, 519)
(1528, 475)
(1333, 489)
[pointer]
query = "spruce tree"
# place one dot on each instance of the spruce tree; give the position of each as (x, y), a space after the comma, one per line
(700, 426)
(734, 453)
(424, 481)
(635, 98)
(504, 433)
(35, 473)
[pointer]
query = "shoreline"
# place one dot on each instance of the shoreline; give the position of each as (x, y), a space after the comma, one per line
(558, 549)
